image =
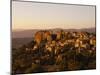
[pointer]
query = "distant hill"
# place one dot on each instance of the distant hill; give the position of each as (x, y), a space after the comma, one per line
(90, 30)
(23, 33)
(31, 32)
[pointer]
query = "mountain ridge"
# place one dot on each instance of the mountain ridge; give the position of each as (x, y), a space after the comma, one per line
(30, 32)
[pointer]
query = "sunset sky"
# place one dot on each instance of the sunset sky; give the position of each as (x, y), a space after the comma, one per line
(30, 15)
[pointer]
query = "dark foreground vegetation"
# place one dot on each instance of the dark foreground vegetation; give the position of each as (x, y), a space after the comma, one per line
(64, 53)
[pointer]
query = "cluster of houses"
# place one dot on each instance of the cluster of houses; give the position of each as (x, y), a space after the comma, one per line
(54, 42)
(59, 39)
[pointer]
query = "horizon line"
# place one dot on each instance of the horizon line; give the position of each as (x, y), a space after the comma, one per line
(50, 29)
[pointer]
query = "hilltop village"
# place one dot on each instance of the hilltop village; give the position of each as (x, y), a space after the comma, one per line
(56, 51)
(56, 41)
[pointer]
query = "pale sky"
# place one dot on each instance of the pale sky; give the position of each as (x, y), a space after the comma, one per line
(30, 15)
